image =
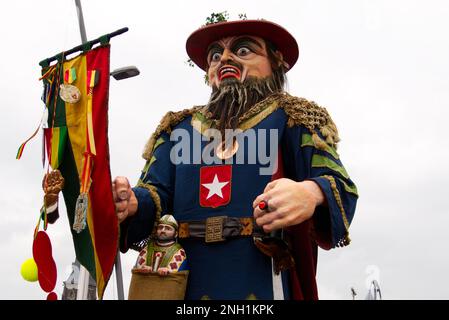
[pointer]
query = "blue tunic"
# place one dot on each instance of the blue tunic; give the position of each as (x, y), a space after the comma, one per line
(235, 268)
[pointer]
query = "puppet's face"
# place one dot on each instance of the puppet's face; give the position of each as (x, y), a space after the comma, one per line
(165, 232)
(237, 58)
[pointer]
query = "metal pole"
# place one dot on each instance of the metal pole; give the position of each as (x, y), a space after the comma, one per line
(118, 275)
(83, 282)
(79, 11)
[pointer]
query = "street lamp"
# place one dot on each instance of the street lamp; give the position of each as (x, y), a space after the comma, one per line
(125, 73)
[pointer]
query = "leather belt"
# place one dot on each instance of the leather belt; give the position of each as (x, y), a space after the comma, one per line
(220, 228)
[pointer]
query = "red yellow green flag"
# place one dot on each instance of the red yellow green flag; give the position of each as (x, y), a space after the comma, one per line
(77, 144)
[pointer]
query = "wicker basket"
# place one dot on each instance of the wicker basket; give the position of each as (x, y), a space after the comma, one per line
(152, 286)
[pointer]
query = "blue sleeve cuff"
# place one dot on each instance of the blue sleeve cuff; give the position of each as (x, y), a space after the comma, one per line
(328, 222)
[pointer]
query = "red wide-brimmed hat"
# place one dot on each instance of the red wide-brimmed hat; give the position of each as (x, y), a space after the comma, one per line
(199, 41)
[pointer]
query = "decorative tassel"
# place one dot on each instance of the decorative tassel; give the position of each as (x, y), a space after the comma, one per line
(80, 213)
(345, 241)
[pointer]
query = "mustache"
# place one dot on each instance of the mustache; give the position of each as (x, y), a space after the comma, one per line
(230, 63)
(226, 63)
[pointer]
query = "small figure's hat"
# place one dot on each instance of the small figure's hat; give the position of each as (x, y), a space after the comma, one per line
(199, 41)
(168, 219)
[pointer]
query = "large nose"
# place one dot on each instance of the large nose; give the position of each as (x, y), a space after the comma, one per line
(226, 56)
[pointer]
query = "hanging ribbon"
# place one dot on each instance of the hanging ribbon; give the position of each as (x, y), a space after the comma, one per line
(82, 203)
(42, 217)
(22, 146)
(49, 76)
(92, 80)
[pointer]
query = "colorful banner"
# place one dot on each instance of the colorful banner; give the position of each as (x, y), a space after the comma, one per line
(76, 94)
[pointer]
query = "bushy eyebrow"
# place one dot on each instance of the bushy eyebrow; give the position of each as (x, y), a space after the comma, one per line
(247, 39)
(238, 40)
(214, 45)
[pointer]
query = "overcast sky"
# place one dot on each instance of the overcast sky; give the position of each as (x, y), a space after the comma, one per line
(381, 69)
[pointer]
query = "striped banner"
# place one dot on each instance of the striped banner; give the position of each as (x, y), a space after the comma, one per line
(79, 149)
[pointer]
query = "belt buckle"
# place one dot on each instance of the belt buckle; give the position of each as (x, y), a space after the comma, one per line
(214, 229)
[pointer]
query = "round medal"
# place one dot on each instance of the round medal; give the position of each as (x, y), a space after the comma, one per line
(228, 152)
(69, 93)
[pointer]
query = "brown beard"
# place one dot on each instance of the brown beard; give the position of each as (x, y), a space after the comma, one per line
(233, 98)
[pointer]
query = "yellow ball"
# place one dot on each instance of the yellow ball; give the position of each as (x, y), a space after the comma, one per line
(29, 270)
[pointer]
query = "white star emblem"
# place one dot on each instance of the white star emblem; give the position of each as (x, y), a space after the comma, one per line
(215, 187)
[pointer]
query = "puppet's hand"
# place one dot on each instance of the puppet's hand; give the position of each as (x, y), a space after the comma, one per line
(289, 203)
(124, 198)
(162, 271)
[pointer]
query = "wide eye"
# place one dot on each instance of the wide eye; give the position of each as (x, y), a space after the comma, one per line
(216, 56)
(243, 51)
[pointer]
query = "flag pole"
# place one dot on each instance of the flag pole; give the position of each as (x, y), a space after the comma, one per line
(83, 281)
(79, 11)
(119, 277)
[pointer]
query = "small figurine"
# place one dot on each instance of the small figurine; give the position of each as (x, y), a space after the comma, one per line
(160, 271)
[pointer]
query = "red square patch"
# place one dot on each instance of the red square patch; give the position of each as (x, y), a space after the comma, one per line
(215, 185)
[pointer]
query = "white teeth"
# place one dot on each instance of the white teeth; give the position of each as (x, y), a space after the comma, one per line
(223, 71)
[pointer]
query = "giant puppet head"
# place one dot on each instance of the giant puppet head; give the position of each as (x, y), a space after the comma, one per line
(245, 61)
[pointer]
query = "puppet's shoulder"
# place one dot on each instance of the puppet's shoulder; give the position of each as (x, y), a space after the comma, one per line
(307, 113)
(170, 120)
